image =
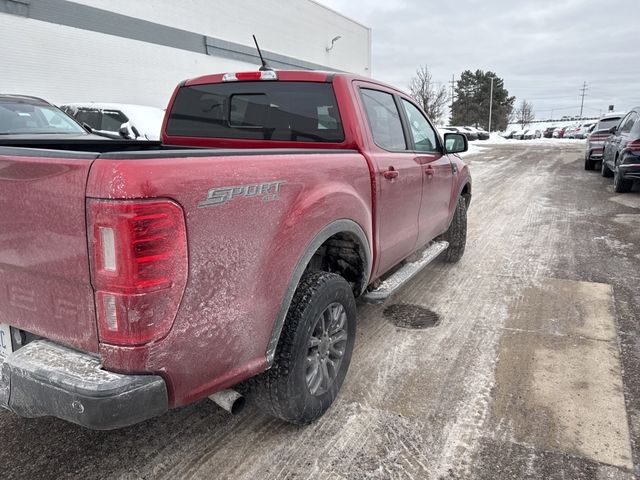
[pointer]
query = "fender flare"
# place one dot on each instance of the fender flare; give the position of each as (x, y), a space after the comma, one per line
(463, 185)
(338, 226)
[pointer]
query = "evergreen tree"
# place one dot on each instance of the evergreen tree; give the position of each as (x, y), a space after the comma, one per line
(471, 106)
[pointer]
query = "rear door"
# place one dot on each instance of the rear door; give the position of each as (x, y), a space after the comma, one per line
(436, 171)
(398, 177)
(45, 286)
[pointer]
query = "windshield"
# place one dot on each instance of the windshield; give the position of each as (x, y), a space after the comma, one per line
(607, 123)
(17, 117)
(285, 111)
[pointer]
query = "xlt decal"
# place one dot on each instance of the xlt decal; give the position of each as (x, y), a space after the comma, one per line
(218, 196)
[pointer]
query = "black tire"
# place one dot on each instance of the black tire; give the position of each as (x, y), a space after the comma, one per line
(589, 164)
(605, 170)
(620, 184)
(456, 235)
(284, 391)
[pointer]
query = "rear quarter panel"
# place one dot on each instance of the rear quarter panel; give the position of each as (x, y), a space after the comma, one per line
(241, 254)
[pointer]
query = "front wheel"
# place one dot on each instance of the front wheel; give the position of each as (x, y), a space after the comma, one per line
(456, 235)
(314, 351)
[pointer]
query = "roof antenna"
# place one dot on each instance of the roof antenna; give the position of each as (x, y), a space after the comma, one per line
(265, 65)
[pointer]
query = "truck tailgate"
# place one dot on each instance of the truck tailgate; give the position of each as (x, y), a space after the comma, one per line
(45, 285)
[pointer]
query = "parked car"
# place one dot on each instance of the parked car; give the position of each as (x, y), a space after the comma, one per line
(595, 141)
(531, 134)
(559, 132)
(548, 132)
(507, 134)
(470, 134)
(583, 130)
(480, 133)
(150, 278)
(570, 132)
(518, 134)
(621, 157)
(483, 134)
(33, 118)
(129, 121)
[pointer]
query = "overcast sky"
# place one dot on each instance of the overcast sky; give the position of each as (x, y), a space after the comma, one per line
(543, 49)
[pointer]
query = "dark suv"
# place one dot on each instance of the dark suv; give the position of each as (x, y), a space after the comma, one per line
(621, 157)
(595, 140)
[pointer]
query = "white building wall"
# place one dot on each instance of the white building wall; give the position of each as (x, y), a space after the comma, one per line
(297, 28)
(64, 64)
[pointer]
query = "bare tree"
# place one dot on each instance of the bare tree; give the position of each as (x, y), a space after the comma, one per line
(431, 97)
(525, 114)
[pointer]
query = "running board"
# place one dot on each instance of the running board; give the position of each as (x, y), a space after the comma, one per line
(404, 274)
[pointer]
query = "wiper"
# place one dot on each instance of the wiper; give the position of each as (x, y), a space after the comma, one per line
(101, 133)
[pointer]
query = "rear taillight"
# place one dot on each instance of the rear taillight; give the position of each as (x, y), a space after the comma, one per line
(633, 146)
(139, 267)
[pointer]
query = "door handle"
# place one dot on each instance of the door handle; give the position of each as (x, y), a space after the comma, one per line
(429, 171)
(390, 174)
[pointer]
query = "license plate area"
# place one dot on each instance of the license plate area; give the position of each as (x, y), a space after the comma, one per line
(5, 340)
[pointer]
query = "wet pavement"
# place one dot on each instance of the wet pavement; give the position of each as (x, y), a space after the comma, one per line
(520, 362)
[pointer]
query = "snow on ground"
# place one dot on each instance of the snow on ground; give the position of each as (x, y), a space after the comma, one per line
(478, 146)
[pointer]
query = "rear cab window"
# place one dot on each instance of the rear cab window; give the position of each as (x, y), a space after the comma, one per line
(278, 110)
(384, 119)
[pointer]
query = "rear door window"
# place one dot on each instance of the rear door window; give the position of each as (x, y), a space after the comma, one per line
(384, 119)
(282, 111)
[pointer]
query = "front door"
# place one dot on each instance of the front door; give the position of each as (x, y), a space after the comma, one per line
(437, 172)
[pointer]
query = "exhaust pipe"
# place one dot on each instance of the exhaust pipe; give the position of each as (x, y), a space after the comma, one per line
(230, 400)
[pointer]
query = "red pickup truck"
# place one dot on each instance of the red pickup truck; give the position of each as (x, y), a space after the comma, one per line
(137, 276)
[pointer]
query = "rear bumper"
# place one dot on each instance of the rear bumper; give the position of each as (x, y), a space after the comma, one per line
(630, 171)
(46, 379)
(594, 153)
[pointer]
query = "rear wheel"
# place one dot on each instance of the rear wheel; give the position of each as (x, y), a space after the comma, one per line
(605, 170)
(589, 164)
(456, 235)
(620, 184)
(314, 352)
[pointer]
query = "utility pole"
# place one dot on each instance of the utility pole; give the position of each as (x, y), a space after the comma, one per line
(584, 90)
(491, 103)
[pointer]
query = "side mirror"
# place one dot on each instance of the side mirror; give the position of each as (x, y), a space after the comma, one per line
(455, 143)
(613, 129)
(124, 131)
(128, 131)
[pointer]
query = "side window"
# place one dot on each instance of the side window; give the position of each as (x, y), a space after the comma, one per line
(424, 137)
(90, 117)
(628, 122)
(384, 119)
(112, 120)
